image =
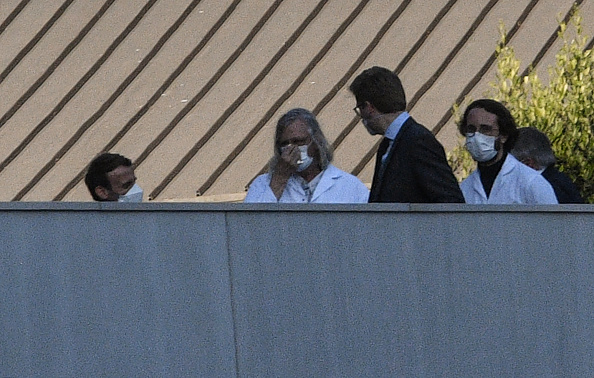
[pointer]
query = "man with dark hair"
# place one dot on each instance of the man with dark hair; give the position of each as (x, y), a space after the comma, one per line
(533, 148)
(491, 132)
(300, 170)
(411, 164)
(110, 177)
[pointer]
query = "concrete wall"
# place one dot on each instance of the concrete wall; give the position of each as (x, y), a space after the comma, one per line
(268, 290)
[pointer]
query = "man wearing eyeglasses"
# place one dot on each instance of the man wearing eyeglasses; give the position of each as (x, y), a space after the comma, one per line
(500, 178)
(411, 164)
(300, 170)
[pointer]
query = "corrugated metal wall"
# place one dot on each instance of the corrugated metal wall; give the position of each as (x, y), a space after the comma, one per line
(265, 290)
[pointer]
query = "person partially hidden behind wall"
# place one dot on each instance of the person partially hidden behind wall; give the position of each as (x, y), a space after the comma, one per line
(411, 164)
(500, 178)
(300, 170)
(533, 148)
(110, 177)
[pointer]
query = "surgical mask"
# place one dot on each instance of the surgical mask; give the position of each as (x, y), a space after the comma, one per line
(305, 160)
(481, 147)
(132, 195)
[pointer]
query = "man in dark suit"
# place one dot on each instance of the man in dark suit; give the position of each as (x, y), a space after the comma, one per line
(411, 165)
(533, 148)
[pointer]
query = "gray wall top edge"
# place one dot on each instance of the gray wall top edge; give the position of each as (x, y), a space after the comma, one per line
(271, 207)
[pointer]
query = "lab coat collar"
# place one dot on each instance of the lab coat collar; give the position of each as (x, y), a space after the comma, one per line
(329, 177)
(508, 166)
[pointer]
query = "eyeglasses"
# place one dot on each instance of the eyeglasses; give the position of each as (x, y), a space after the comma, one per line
(357, 109)
(295, 141)
(483, 129)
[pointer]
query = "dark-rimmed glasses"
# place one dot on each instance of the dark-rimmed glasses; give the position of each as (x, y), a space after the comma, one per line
(357, 109)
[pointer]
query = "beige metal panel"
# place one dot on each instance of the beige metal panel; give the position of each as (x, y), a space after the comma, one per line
(337, 62)
(366, 174)
(336, 115)
(53, 91)
(136, 96)
(418, 70)
(527, 43)
(97, 90)
(354, 142)
(440, 43)
(449, 136)
(193, 80)
(37, 62)
(470, 59)
(390, 52)
(22, 30)
(80, 193)
(6, 8)
(247, 164)
(311, 91)
(587, 12)
(248, 66)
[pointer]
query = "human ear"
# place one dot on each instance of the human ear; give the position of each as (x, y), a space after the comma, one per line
(102, 192)
(530, 162)
(372, 108)
(500, 141)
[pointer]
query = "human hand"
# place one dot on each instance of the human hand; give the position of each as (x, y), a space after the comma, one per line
(290, 157)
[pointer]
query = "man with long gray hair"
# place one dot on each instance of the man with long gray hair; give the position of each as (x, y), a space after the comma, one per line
(300, 170)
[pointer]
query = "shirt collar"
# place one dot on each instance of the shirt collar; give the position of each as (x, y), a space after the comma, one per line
(396, 125)
(309, 185)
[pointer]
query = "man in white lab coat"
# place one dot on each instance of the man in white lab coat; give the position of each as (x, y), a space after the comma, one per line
(300, 169)
(490, 133)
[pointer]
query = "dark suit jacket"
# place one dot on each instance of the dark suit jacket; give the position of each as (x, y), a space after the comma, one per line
(416, 170)
(564, 188)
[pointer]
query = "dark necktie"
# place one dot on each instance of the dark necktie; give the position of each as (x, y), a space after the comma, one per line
(383, 147)
(375, 188)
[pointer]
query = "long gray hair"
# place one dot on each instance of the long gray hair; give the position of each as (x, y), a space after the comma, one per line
(317, 136)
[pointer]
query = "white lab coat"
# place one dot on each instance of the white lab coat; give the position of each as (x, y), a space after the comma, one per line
(516, 183)
(335, 186)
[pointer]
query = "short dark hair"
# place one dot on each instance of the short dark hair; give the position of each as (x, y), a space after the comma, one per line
(315, 131)
(505, 121)
(534, 144)
(381, 88)
(99, 168)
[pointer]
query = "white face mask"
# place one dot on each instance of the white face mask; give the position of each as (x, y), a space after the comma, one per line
(481, 147)
(305, 159)
(132, 195)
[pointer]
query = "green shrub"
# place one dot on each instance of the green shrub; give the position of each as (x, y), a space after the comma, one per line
(563, 109)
